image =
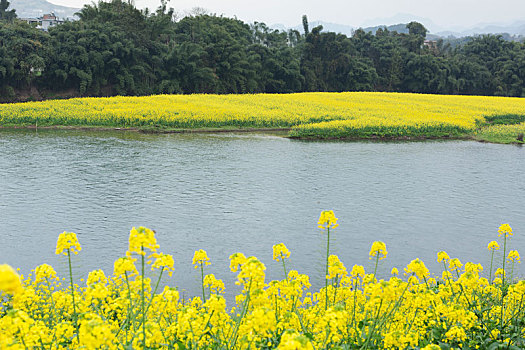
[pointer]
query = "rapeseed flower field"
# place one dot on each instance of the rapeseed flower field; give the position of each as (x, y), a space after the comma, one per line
(463, 307)
(309, 115)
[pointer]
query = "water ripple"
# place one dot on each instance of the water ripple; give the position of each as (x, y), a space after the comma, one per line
(227, 193)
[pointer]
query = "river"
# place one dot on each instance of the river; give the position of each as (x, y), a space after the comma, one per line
(228, 193)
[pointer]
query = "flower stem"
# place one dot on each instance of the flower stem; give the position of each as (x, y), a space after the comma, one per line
(377, 262)
(143, 300)
(503, 281)
(72, 290)
(51, 321)
(491, 261)
(326, 270)
(202, 284)
(284, 268)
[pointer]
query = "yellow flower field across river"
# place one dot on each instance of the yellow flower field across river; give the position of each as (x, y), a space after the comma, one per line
(319, 115)
(462, 307)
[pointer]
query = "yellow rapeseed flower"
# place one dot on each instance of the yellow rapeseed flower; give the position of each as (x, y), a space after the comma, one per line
(200, 258)
(125, 265)
(280, 252)
(294, 341)
(236, 260)
(357, 270)
(505, 229)
(443, 256)
(141, 238)
(96, 276)
(455, 264)
(165, 262)
(418, 268)
(394, 271)
(493, 245)
(456, 333)
(94, 333)
(9, 280)
(327, 220)
(67, 241)
(252, 272)
(213, 283)
(44, 272)
(318, 114)
(514, 256)
(431, 347)
(500, 272)
(336, 269)
(285, 314)
(378, 248)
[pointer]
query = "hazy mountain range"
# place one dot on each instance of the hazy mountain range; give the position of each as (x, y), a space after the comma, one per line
(516, 28)
(36, 8)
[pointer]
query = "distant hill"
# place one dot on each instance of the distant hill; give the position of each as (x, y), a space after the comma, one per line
(327, 27)
(36, 8)
(402, 18)
(516, 28)
(344, 28)
(400, 28)
(512, 31)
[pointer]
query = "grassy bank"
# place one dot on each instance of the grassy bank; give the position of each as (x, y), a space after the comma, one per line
(309, 115)
(502, 134)
(462, 306)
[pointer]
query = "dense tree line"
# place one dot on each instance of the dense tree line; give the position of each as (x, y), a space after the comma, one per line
(115, 48)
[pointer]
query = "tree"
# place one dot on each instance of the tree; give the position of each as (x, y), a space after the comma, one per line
(116, 48)
(416, 28)
(23, 52)
(305, 25)
(6, 15)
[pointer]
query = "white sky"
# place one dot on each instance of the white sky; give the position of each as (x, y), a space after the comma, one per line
(447, 13)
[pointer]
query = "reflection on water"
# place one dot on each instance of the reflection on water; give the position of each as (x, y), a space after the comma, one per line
(228, 193)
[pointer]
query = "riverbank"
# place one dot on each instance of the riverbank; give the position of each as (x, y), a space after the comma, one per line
(503, 135)
(348, 116)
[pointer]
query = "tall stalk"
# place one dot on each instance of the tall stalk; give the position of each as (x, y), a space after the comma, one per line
(377, 263)
(202, 284)
(143, 300)
(52, 319)
(72, 288)
(326, 270)
(284, 267)
(491, 261)
(502, 315)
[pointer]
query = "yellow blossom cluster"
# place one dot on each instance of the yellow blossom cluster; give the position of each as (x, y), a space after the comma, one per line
(378, 249)
(125, 265)
(200, 258)
(126, 310)
(327, 220)
(346, 114)
(514, 256)
(505, 229)
(280, 252)
(141, 238)
(163, 261)
(67, 242)
(9, 280)
(493, 245)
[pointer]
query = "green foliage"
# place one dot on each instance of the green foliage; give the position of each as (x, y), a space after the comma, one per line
(508, 119)
(23, 53)
(116, 49)
(500, 133)
(6, 15)
(417, 29)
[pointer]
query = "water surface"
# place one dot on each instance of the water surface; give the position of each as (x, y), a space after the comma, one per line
(228, 193)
